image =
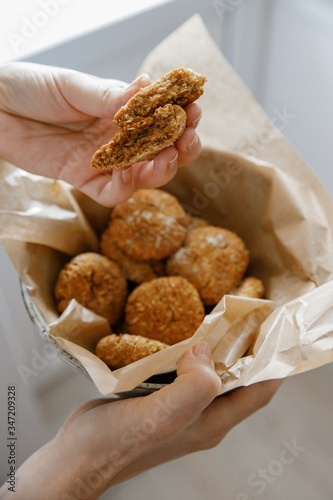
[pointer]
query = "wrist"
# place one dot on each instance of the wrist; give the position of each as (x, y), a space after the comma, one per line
(56, 471)
(84, 474)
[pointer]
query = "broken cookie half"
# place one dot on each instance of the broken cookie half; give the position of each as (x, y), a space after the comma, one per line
(151, 120)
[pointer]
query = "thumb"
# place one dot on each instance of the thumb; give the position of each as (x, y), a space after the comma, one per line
(177, 405)
(96, 96)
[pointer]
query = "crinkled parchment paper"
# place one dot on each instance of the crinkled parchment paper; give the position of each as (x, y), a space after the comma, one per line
(267, 194)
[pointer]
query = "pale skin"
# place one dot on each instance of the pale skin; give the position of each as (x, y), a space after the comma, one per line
(104, 442)
(51, 122)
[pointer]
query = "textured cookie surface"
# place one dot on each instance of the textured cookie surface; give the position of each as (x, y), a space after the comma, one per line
(180, 87)
(213, 259)
(151, 120)
(122, 349)
(137, 271)
(250, 287)
(167, 309)
(143, 140)
(150, 225)
(95, 282)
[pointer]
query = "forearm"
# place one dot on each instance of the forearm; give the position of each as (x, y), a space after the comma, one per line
(56, 473)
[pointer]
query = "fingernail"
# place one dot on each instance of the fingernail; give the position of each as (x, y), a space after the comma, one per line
(196, 122)
(143, 79)
(126, 175)
(173, 164)
(202, 351)
(194, 141)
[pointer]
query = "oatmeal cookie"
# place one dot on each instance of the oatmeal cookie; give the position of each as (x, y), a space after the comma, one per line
(143, 140)
(133, 270)
(95, 282)
(179, 87)
(122, 349)
(213, 259)
(150, 225)
(250, 287)
(151, 120)
(167, 309)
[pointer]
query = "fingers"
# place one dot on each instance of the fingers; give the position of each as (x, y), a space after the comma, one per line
(106, 98)
(157, 172)
(208, 428)
(141, 81)
(188, 147)
(229, 410)
(193, 112)
(111, 98)
(93, 96)
(137, 426)
(243, 402)
(177, 405)
(163, 168)
(109, 189)
(121, 184)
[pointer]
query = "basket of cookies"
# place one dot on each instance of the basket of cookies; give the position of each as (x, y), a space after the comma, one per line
(157, 273)
(236, 249)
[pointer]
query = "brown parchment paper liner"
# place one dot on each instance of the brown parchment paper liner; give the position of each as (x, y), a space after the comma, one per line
(271, 199)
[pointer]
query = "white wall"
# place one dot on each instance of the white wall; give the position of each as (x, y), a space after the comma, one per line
(284, 52)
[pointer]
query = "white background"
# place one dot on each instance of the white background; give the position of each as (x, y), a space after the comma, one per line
(283, 51)
(28, 26)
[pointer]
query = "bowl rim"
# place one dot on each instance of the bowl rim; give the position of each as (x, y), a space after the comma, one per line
(43, 330)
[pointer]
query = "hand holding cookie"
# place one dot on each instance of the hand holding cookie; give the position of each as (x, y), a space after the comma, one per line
(60, 117)
(151, 120)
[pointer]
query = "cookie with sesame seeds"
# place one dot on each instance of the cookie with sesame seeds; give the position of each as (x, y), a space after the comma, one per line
(137, 271)
(168, 309)
(118, 350)
(213, 259)
(250, 287)
(151, 225)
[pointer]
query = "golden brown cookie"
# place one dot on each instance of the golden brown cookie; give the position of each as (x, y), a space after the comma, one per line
(180, 87)
(150, 225)
(167, 309)
(143, 140)
(122, 349)
(250, 287)
(133, 270)
(213, 259)
(95, 282)
(151, 120)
